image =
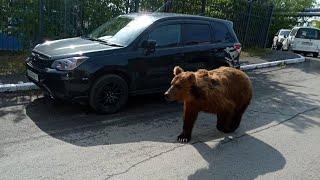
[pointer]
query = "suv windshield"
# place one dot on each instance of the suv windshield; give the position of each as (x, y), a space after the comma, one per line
(121, 31)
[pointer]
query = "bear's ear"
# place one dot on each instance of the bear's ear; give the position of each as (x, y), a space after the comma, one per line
(177, 70)
(192, 78)
(215, 83)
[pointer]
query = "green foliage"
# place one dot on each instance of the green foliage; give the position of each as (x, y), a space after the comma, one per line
(315, 23)
(67, 18)
(18, 18)
(150, 5)
(12, 63)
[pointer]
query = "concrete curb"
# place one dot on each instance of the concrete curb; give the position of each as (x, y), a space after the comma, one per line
(31, 86)
(17, 87)
(273, 63)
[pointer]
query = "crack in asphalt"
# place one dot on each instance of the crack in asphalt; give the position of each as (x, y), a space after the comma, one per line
(223, 142)
(265, 112)
(143, 161)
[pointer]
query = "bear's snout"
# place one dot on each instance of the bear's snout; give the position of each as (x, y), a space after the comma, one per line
(166, 96)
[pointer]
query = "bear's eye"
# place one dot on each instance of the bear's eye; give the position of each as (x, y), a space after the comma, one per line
(178, 86)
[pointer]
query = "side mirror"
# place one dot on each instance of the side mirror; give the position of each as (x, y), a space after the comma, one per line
(285, 36)
(149, 46)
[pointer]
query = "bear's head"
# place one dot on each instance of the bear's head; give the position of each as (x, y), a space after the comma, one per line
(181, 85)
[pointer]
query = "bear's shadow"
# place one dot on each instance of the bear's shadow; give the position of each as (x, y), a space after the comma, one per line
(232, 160)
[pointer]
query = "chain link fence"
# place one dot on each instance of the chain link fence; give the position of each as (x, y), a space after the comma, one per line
(25, 23)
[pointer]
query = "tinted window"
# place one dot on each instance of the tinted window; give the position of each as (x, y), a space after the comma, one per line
(166, 36)
(307, 33)
(196, 34)
(221, 33)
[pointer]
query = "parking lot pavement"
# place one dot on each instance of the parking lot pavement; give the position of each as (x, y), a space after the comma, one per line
(278, 138)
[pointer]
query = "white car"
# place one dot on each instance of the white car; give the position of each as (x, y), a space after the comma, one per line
(303, 40)
(279, 38)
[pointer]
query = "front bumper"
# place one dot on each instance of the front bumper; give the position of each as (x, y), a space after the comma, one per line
(59, 84)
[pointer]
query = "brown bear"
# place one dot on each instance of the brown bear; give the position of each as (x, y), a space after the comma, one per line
(225, 91)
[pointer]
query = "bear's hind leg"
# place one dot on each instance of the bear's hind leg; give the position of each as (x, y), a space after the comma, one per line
(224, 122)
(238, 116)
(236, 122)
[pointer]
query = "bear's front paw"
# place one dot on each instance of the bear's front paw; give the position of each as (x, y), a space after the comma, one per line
(183, 138)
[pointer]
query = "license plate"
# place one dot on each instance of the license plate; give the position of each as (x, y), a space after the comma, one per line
(33, 75)
(307, 43)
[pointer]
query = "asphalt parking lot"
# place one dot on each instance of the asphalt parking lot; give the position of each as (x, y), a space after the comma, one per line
(278, 137)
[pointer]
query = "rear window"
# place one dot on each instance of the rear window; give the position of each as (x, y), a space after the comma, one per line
(194, 34)
(222, 33)
(284, 33)
(307, 33)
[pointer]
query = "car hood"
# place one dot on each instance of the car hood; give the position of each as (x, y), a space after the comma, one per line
(70, 47)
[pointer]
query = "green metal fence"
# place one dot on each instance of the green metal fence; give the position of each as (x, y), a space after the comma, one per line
(33, 21)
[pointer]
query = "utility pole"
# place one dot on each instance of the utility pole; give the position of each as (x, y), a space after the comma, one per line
(248, 22)
(40, 36)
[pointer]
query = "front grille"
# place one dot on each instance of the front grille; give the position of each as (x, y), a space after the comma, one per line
(40, 61)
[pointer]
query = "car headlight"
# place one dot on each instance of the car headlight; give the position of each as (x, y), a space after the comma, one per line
(68, 63)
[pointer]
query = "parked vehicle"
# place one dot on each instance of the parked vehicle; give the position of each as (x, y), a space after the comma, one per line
(303, 40)
(131, 54)
(279, 38)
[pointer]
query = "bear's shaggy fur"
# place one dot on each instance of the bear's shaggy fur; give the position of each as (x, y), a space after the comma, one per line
(225, 91)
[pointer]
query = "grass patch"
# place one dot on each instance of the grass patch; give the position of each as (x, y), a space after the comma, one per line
(12, 62)
(255, 52)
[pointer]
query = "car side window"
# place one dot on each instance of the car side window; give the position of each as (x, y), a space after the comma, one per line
(221, 33)
(194, 34)
(166, 36)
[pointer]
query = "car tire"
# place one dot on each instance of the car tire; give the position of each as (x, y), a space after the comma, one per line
(109, 94)
(315, 55)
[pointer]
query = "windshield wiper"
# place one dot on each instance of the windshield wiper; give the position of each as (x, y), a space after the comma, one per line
(103, 41)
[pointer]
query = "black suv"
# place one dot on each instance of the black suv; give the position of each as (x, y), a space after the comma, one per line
(131, 54)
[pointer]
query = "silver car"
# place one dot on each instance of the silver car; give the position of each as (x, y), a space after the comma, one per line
(279, 37)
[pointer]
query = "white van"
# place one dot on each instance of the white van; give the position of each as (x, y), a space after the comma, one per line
(303, 40)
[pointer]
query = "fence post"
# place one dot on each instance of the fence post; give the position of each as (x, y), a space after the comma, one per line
(203, 7)
(127, 6)
(167, 6)
(248, 22)
(270, 20)
(65, 18)
(81, 28)
(136, 5)
(40, 36)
